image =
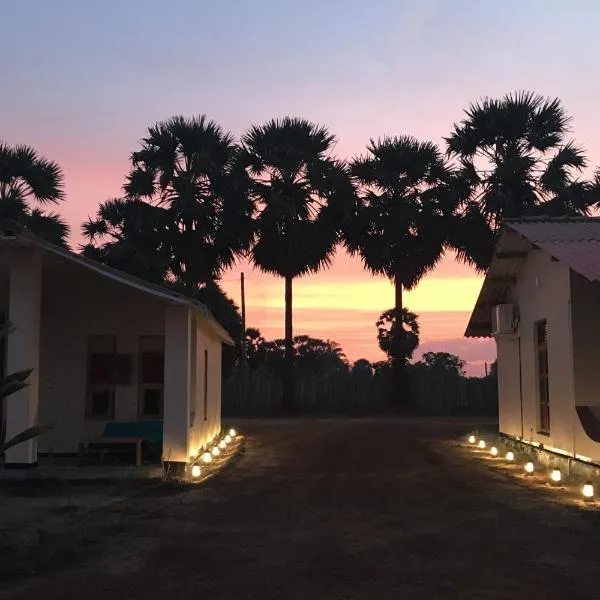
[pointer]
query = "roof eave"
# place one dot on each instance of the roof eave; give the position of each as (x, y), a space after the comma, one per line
(126, 279)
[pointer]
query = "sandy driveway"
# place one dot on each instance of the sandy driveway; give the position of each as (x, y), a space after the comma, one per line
(345, 509)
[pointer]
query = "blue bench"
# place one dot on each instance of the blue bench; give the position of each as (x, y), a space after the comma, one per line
(128, 432)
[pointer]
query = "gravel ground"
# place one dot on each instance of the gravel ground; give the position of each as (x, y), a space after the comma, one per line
(371, 509)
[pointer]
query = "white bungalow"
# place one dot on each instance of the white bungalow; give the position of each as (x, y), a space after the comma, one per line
(541, 302)
(105, 347)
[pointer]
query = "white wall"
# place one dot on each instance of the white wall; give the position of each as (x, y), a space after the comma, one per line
(177, 390)
(204, 428)
(509, 399)
(76, 304)
(542, 292)
(22, 348)
(586, 356)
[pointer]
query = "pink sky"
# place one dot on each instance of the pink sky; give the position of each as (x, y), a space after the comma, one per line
(86, 80)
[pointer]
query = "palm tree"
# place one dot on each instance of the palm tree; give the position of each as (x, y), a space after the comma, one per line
(299, 190)
(130, 235)
(191, 169)
(514, 160)
(26, 181)
(398, 337)
(405, 206)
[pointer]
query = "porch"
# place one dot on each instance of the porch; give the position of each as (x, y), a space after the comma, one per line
(102, 349)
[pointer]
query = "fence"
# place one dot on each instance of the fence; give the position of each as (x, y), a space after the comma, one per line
(260, 394)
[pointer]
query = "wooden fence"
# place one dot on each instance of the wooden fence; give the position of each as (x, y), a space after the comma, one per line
(260, 394)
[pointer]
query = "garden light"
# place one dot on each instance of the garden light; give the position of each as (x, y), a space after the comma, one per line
(588, 491)
(510, 456)
(206, 457)
(216, 451)
(556, 475)
(232, 433)
(494, 451)
(222, 444)
(472, 439)
(481, 444)
(196, 471)
(529, 468)
(228, 438)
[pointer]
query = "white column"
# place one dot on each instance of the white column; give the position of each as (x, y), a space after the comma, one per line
(23, 346)
(177, 384)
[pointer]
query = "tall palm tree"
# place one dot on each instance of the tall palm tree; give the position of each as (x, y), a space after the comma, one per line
(26, 181)
(299, 189)
(191, 169)
(515, 160)
(404, 208)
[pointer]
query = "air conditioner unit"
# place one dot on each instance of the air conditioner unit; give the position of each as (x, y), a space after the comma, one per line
(503, 319)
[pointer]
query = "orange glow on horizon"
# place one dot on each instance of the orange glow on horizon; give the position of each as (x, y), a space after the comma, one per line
(343, 303)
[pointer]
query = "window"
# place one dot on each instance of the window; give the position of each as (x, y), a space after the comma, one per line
(100, 396)
(541, 346)
(151, 377)
(206, 385)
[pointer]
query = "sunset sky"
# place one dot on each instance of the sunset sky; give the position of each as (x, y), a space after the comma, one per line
(81, 80)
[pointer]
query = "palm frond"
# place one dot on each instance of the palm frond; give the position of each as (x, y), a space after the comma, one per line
(24, 436)
(557, 174)
(513, 162)
(49, 226)
(43, 177)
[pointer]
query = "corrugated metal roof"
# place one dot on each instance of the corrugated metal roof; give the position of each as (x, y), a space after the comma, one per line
(581, 256)
(561, 229)
(573, 241)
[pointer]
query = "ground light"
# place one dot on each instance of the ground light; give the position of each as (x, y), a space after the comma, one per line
(196, 471)
(529, 468)
(206, 457)
(232, 432)
(472, 439)
(228, 438)
(216, 451)
(494, 451)
(481, 444)
(556, 475)
(222, 444)
(510, 456)
(588, 491)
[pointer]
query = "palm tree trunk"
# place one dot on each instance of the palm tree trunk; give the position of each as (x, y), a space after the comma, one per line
(399, 387)
(398, 294)
(288, 382)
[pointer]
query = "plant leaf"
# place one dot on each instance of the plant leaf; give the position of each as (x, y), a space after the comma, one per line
(28, 434)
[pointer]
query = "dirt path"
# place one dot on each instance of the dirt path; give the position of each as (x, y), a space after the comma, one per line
(346, 509)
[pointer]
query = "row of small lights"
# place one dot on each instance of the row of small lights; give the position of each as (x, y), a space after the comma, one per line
(214, 452)
(555, 475)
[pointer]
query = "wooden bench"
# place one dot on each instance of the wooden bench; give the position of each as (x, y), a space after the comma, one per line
(127, 433)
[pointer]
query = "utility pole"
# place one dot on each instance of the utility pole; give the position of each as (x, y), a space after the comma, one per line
(244, 365)
(243, 291)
